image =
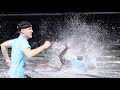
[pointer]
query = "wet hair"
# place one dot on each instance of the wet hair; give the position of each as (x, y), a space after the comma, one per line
(23, 25)
(80, 58)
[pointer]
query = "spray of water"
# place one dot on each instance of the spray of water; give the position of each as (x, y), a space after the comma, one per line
(83, 37)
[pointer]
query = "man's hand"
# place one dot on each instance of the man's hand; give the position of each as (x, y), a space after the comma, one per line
(67, 45)
(47, 44)
(8, 62)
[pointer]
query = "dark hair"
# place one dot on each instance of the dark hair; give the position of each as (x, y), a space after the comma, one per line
(23, 25)
(80, 58)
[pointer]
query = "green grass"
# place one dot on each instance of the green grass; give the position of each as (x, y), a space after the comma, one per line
(115, 53)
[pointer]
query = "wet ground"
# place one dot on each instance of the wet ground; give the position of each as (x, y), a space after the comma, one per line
(108, 67)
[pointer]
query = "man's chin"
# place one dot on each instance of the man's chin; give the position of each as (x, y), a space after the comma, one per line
(30, 37)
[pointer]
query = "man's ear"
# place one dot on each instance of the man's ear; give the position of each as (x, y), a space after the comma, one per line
(21, 31)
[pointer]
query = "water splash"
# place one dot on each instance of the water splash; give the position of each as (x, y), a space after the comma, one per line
(83, 37)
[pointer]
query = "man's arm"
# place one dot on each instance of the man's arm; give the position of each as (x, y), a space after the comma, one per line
(30, 53)
(4, 48)
(61, 56)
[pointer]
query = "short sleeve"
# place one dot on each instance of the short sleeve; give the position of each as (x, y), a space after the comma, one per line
(12, 41)
(25, 45)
